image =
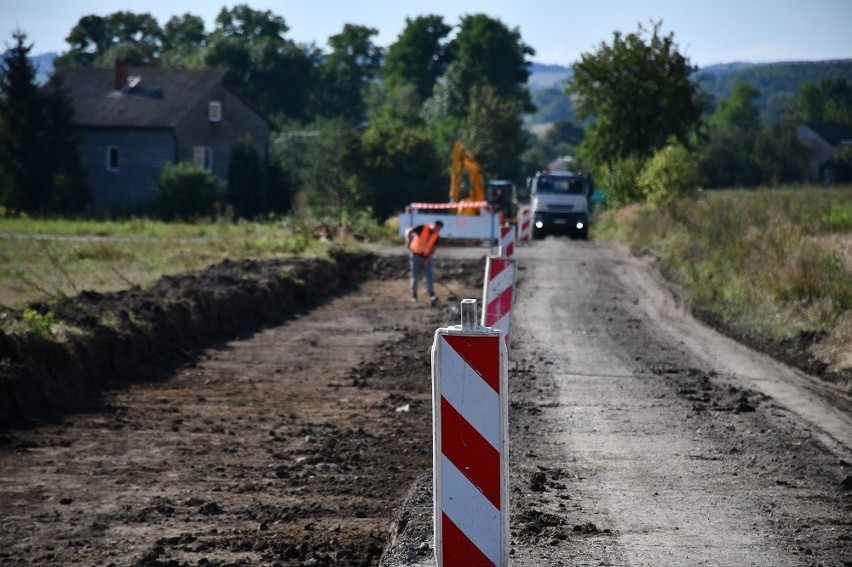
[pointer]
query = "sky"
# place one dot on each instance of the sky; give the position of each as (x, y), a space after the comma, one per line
(560, 31)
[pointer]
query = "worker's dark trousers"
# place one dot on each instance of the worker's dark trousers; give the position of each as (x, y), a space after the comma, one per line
(421, 267)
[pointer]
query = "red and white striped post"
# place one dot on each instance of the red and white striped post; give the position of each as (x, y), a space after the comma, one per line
(498, 293)
(524, 224)
(470, 418)
(507, 241)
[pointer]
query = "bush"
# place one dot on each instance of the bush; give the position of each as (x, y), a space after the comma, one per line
(840, 166)
(619, 181)
(672, 172)
(769, 262)
(187, 192)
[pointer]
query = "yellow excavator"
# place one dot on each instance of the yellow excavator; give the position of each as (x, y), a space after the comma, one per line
(499, 193)
(464, 162)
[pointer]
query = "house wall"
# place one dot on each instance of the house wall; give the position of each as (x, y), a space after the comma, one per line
(237, 121)
(142, 154)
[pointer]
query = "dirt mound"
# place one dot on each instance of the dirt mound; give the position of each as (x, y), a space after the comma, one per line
(111, 340)
(291, 445)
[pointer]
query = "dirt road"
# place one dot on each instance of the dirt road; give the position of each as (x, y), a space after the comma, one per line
(637, 438)
(663, 443)
(640, 437)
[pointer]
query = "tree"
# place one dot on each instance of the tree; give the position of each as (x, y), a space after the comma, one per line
(828, 101)
(70, 191)
(40, 166)
(419, 56)
(492, 54)
(449, 100)
(288, 156)
(354, 61)
(493, 132)
(397, 164)
(90, 36)
(272, 72)
(671, 172)
(727, 159)
(251, 25)
(840, 165)
(483, 95)
(561, 138)
(551, 105)
(25, 182)
(639, 93)
(97, 40)
(739, 111)
(325, 171)
(184, 32)
(727, 155)
(402, 103)
(246, 180)
(782, 158)
(619, 180)
(184, 42)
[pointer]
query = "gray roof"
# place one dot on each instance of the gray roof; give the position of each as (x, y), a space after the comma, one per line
(832, 132)
(161, 98)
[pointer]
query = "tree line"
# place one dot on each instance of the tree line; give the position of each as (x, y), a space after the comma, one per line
(357, 126)
(651, 132)
(361, 127)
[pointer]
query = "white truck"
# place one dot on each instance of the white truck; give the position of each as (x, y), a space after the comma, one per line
(560, 203)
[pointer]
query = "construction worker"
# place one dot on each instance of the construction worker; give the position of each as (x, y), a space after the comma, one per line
(421, 242)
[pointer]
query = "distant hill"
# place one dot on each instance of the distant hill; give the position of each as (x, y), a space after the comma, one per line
(43, 64)
(548, 76)
(777, 83)
(722, 69)
(771, 79)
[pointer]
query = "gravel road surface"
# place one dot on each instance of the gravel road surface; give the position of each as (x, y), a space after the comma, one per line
(641, 437)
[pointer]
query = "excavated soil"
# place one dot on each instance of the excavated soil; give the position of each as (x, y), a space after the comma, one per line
(259, 413)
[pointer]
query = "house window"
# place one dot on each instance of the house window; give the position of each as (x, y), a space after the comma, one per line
(214, 111)
(112, 158)
(202, 156)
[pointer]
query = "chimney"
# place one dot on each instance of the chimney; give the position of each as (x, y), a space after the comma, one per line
(120, 74)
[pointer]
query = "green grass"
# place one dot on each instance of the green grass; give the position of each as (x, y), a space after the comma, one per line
(41, 260)
(774, 262)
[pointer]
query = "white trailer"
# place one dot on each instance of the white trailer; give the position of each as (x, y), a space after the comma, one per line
(484, 226)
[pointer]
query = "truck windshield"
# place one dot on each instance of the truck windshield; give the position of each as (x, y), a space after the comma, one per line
(567, 185)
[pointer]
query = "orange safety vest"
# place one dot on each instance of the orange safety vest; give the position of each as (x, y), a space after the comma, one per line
(423, 244)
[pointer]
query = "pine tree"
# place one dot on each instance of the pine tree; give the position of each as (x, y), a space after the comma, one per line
(23, 178)
(40, 166)
(70, 191)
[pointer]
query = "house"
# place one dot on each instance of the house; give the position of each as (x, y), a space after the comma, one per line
(824, 139)
(134, 121)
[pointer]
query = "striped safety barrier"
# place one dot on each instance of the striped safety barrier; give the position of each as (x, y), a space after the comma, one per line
(524, 224)
(498, 293)
(507, 241)
(470, 413)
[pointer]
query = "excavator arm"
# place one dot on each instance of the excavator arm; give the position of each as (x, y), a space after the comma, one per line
(464, 162)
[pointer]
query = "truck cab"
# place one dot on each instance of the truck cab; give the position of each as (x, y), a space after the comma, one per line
(501, 195)
(560, 204)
